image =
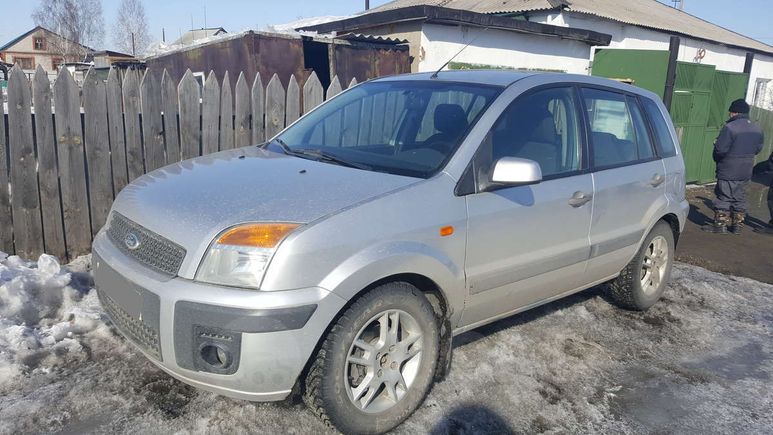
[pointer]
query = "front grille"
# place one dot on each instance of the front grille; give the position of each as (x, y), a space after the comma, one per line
(152, 250)
(134, 329)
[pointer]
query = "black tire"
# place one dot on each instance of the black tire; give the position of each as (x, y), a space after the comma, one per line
(325, 388)
(627, 290)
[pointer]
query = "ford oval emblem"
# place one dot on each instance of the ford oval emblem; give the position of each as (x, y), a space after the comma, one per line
(132, 241)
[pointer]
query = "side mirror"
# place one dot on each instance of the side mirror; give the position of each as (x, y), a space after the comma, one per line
(512, 171)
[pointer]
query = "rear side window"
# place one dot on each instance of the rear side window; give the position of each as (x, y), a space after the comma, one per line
(618, 131)
(664, 140)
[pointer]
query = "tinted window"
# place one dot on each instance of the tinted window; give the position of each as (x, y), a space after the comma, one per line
(663, 137)
(542, 126)
(407, 128)
(618, 131)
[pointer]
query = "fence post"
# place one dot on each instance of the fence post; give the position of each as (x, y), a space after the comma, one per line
(152, 124)
(189, 104)
(242, 111)
(115, 126)
(25, 202)
(293, 108)
(169, 106)
(226, 114)
(72, 173)
(275, 107)
(258, 110)
(131, 110)
(48, 174)
(210, 115)
(334, 88)
(312, 93)
(6, 227)
(97, 150)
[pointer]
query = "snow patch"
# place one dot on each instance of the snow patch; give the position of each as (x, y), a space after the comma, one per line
(43, 314)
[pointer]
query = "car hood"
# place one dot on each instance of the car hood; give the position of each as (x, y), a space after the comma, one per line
(191, 202)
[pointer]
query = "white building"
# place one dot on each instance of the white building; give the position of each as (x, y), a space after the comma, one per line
(522, 34)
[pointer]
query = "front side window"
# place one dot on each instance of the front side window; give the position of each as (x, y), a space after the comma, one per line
(25, 62)
(403, 127)
(618, 132)
(542, 126)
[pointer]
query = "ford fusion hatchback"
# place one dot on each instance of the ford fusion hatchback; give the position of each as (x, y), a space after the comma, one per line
(338, 260)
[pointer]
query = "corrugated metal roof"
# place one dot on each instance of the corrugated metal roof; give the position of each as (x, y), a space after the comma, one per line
(371, 38)
(644, 13)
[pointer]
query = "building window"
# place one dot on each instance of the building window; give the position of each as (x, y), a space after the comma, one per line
(56, 62)
(24, 62)
(40, 43)
(762, 94)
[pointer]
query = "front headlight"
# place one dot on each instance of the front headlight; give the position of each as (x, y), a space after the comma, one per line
(239, 256)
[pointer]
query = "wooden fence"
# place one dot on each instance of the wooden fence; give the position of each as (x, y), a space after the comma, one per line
(66, 152)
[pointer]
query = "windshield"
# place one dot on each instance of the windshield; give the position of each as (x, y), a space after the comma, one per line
(402, 127)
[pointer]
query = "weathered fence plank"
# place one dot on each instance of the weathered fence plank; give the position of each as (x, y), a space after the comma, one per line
(352, 83)
(226, 115)
(334, 88)
(243, 109)
(189, 97)
(6, 225)
(169, 106)
(115, 127)
(210, 115)
(152, 123)
(72, 173)
(131, 114)
(48, 175)
(275, 107)
(293, 108)
(25, 202)
(258, 96)
(97, 150)
(313, 93)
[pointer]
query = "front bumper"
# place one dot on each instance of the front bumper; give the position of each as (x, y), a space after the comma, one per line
(269, 336)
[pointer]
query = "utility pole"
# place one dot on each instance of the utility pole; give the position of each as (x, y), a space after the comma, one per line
(134, 52)
(163, 35)
(367, 4)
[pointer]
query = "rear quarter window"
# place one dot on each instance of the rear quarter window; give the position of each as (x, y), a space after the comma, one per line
(663, 139)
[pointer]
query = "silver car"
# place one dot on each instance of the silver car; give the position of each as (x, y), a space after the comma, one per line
(338, 260)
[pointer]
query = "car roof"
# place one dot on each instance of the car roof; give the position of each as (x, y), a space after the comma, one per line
(506, 78)
(483, 77)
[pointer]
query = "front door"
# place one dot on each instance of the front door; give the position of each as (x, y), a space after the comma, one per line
(529, 243)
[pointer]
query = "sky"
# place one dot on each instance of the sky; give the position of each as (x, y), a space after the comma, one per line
(749, 17)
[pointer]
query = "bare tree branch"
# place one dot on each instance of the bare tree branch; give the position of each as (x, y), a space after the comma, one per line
(131, 20)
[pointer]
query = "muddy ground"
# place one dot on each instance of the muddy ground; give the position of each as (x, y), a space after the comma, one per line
(699, 362)
(749, 255)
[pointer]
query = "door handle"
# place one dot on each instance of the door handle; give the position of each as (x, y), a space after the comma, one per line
(657, 180)
(579, 199)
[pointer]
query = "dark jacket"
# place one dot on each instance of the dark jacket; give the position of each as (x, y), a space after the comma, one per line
(737, 145)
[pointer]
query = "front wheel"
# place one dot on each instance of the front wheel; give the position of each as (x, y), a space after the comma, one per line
(377, 363)
(643, 281)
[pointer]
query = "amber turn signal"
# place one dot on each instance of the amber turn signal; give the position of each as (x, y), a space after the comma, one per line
(256, 235)
(446, 231)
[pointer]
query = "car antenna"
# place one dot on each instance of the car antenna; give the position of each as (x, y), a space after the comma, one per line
(434, 75)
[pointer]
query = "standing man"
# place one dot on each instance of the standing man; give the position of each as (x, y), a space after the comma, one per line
(734, 151)
(769, 228)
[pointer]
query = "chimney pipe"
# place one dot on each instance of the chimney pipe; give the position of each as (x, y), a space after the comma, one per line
(367, 4)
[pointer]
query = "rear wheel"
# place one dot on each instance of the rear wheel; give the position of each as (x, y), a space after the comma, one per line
(377, 363)
(643, 281)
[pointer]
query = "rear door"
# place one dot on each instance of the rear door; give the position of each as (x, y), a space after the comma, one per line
(628, 176)
(526, 244)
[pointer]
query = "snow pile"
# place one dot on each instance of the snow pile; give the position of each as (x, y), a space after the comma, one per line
(42, 316)
(290, 28)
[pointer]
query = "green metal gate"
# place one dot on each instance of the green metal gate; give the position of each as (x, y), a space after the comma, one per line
(702, 95)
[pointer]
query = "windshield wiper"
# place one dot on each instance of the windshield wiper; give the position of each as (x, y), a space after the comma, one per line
(320, 155)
